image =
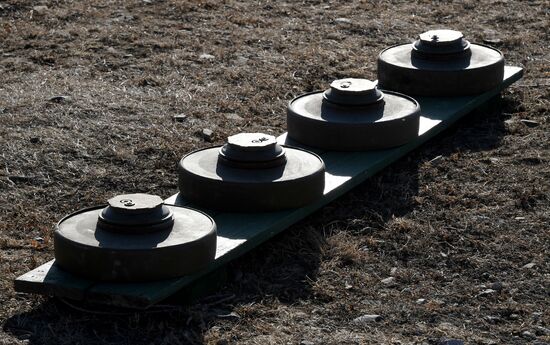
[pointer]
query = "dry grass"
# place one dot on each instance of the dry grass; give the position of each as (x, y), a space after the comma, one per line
(446, 230)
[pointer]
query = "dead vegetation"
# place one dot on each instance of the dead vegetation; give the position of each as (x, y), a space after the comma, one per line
(87, 100)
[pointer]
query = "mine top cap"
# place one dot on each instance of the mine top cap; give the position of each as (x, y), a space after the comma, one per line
(251, 141)
(442, 42)
(135, 213)
(354, 85)
(441, 36)
(252, 150)
(353, 91)
(135, 203)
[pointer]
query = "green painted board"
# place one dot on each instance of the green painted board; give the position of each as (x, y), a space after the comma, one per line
(48, 279)
(239, 233)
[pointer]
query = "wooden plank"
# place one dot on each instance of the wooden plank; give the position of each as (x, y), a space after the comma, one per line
(48, 279)
(239, 233)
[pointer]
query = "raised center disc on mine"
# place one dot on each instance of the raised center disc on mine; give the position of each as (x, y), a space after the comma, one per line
(135, 213)
(440, 42)
(251, 141)
(353, 91)
(252, 150)
(135, 203)
(442, 36)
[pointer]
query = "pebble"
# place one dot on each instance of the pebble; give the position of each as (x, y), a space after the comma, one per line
(343, 20)
(207, 57)
(486, 292)
(306, 342)
(529, 265)
(367, 318)
(35, 140)
(179, 117)
(388, 281)
(421, 301)
(208, 134)
(59, 99)
(40, 9)
(527, 334)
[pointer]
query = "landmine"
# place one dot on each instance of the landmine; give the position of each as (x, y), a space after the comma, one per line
(440, 63)
(353, 115)
(251, 172)
(135, 238)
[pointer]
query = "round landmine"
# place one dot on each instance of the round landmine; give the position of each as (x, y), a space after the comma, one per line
(440, 63)
(251, 172)
(353, 115)
(135, 238)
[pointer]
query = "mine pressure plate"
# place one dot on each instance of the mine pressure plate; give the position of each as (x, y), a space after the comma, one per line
(440, 63)
(353, 115)
(251, 172)
(135, 238)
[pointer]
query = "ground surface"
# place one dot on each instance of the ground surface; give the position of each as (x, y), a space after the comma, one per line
(462, 224)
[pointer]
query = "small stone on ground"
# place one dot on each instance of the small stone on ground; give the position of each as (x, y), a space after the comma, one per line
(367, 318)
(343, 20)
(207, 57)
(208, 134)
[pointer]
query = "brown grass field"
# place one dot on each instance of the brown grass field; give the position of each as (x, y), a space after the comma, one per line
(466, 236)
